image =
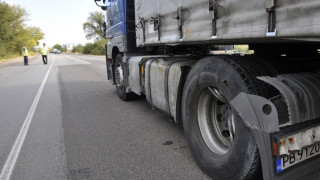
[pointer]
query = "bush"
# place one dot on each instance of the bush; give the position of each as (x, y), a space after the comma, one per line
(77, 49)
(96, 48)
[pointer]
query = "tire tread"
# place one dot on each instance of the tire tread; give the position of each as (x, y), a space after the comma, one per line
(248, 70)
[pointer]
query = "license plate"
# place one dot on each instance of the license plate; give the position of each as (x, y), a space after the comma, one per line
(287, 161)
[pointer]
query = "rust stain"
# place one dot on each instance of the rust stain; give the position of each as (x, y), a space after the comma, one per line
(187, 33)
(160, 69)
(142, 70)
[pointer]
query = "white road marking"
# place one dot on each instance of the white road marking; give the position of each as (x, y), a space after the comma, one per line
(15, 151)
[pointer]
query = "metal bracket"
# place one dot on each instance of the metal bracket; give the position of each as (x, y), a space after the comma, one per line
(180, 21)
(156, 25)
(269, 4)
(250, 109)
(142, 25)
(213, 9)
(271, 34)
(270, 9)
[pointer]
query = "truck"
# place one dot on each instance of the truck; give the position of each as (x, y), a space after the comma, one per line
(245, 116)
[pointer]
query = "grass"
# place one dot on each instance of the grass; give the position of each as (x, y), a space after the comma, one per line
(9, 57)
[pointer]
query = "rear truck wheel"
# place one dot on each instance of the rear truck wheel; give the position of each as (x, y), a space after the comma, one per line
(222, 145)
(119, 78)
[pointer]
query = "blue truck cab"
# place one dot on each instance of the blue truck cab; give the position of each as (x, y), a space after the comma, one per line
(115, 18)
(120, 31)
(120, 26)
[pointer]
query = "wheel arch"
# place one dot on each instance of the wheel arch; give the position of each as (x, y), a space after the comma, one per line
(115, 52)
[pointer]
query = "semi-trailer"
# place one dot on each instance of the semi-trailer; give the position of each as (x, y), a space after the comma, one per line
(244, 116)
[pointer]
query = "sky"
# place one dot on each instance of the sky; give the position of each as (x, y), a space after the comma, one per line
(60, 20)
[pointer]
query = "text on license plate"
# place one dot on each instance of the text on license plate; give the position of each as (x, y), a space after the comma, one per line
(287, 161)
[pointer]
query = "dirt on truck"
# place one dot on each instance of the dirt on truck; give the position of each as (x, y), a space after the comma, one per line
(251, 116)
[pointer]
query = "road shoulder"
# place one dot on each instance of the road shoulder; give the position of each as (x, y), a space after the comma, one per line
(8, 62)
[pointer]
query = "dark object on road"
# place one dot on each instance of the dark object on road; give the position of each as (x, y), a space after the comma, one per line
(79, 174)
(167, 143)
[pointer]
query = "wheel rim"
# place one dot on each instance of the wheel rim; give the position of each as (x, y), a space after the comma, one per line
(215, 120)
(119, 76)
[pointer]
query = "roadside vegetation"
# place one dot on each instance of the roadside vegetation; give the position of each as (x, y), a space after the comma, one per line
(243, 49)
(62, 48)
(93, 28)
(14, 33)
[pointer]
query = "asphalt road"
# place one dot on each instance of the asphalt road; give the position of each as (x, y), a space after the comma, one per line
(64, 120)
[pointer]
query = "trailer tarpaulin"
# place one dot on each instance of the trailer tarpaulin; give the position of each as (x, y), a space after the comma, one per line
(226, 21)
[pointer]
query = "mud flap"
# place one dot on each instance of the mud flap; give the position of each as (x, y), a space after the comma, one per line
(251, 109)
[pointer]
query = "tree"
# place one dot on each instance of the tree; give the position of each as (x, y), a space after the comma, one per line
(36, 33)
(94, 26)
(13, 31)
(94, 30)
(64, 48)
(57, 46)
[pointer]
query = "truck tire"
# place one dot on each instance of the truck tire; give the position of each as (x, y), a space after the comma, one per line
(222, 145)
(119, 78)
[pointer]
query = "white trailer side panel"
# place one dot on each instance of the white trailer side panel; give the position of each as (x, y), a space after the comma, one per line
(236, 21)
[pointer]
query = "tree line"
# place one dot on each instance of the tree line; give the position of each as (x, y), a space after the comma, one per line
(14, 33)
(93, 28)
